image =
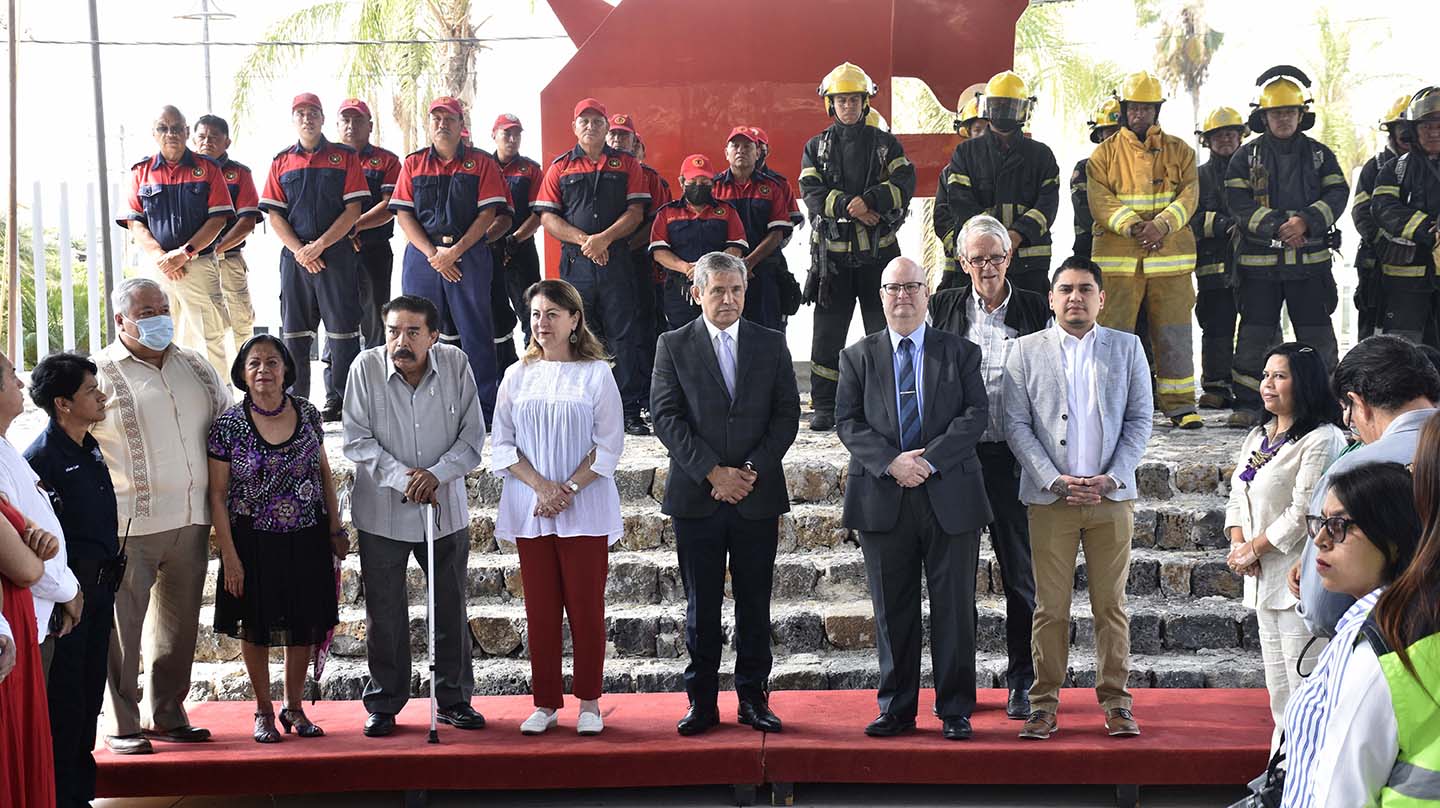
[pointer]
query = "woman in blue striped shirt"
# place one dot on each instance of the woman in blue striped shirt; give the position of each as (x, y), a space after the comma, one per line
(1366, 536)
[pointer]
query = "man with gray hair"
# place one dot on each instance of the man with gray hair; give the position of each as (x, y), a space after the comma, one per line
(993, 313)
(726, 488)
(162, 401)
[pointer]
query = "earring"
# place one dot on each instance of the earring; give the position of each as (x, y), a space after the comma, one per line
(573, 338)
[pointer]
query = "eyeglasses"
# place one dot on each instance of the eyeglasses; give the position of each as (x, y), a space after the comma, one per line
(984, 260)
(898, 289)
(1335, 527)
(177, 129)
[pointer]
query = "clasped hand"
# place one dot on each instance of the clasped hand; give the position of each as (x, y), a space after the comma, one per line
(1083, 490)
(446, 261)
(1292, 232)
(1149, 235)
(308, 256)
(859, 210)
(909, 470)
(551, 498)
(596, 248)
(730, 485)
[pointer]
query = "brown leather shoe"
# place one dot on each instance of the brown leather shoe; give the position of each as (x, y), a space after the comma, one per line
(1120, 723)
(1039, 726)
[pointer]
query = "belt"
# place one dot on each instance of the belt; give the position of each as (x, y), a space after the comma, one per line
(444, 241)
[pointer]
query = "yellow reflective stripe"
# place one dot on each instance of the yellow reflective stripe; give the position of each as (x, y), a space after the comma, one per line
(1361, 197)
(1247, 381)
(1216, 268)
(810, 172)
(1168, 264)
(864, 242)
(1249, 260)
(1386, 190)
(824, 372)
(1184, 385)
(1115, 264)
(1208, 227)
(1331, 179)
(1118, 217)
(1321, 257)
(895, 195)
(1416, 219)
(1237, 182)
(1146, 201)
(1034, 252)
(1257, 217)
(1080, 231)
(1080, 186)
(898, 162)
(830, 200)
(1050, 181)
(958, 179)
(1402, 272)
(1325, 211)
(862, 239)
(1039, 219)
(1178, 211)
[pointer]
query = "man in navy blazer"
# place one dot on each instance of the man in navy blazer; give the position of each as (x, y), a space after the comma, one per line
(910, 408)
(723, 400)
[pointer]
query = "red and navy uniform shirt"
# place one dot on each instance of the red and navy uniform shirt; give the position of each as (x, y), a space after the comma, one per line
(591, 194)
(447, 196)
(175, 200)
(690, 234)
(764, 204)
(311, 188)
(241, 184)
(381, 168)
(522, 176)
(797, 217)
(660, 195)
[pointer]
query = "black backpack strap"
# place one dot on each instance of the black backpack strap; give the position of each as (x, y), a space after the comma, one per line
(1370, 632)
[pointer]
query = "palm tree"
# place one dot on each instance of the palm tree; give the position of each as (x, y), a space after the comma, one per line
(1335, 82)
(402, 71)
(1184, 50)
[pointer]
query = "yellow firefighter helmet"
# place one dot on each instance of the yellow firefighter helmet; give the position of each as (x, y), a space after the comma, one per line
(845, 78)
(1006, 97)
(1222, 118)
(1396, 113)
(1282, 87)
(875, 119)
(1142, 88)
(1107, 117)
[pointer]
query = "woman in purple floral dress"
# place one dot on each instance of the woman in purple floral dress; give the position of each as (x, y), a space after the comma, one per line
(269, 472)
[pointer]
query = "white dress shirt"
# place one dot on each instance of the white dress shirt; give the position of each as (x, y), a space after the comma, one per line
(988, 330)
(733, 331)
(20, 484)
(154, 436)
(1082, 429)
(554, 414)
(5, 630)
(391, 427)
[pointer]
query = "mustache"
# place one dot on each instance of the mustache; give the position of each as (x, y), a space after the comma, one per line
(403, 353)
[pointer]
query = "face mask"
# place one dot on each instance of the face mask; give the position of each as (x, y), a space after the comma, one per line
(155, 332)
(699, 195)
(1004, 125)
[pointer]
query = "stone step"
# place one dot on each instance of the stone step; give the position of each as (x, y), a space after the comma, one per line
(657, 631)
(836, 670)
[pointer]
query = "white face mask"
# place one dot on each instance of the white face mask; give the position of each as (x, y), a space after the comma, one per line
(156, 332)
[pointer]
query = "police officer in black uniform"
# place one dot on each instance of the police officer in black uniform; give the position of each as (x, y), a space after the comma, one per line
(1010, 177)
(857, 183)
(1398, 137)
(1221, 133)
(1407, 206)
(1285, 191)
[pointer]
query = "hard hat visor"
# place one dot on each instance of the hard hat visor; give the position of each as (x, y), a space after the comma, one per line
(1012, 109)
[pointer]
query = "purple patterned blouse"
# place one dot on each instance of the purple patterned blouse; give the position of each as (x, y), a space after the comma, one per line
(277, 485)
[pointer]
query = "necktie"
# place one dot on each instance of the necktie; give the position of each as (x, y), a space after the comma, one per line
(726, 355)
(909, 398)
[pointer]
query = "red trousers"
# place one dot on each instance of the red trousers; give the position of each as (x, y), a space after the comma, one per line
(564, 574)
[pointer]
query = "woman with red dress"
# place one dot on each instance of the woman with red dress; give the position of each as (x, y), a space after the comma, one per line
(27, 765)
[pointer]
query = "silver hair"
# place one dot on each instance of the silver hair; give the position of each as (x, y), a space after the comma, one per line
(981, 225)
(121, 297)
(716, 262)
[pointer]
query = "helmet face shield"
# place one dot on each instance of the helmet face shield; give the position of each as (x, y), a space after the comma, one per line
(1005, 109)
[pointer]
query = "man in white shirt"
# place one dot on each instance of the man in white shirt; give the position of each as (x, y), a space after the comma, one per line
(413, 428)
(1078, 479)
(7, 649)
(162, 400)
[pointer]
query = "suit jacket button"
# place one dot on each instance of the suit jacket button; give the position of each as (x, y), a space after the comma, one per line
(1063, 416)
(1062, 441)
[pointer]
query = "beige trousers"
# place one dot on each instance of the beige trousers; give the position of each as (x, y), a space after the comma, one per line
(239, 313)
(197, 305)
(157, 618)
(1057, 532)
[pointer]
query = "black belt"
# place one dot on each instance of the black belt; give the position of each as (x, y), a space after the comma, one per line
(444, 241)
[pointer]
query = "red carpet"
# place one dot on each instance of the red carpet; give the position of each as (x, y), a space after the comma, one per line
(1190, 737)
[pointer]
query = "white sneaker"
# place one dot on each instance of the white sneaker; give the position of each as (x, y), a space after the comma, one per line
(539, 721)
(589, 724)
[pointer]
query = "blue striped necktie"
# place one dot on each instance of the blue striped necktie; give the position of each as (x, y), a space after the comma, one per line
(909, 398)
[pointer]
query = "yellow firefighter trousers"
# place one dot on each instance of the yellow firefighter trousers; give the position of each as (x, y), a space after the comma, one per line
(1169, 302)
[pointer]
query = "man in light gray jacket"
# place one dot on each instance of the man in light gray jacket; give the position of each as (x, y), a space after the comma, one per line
(1078, 415)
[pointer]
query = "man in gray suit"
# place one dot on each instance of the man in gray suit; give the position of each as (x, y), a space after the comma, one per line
(1078, 415)
(910, 408)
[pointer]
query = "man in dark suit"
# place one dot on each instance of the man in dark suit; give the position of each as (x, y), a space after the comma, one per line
(726, 489)
(910, 408)
(994, 313)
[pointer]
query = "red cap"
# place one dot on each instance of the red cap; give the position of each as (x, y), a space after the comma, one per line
(589, 103)
(449, 104)
(623, 122)
(306, 100)
(696, 165)
(355, 104)
(758, 135)
(747, 132)
(506, 120)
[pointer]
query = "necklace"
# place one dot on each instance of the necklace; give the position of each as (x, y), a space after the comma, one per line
(265, 412)
(1263, 455)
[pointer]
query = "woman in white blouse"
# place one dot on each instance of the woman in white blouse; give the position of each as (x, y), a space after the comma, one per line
(1275, 475)
(559, 432)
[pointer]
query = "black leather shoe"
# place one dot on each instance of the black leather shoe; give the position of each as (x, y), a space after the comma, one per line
(887, 725)
(956, 729)
(635, 425)
(460, 716)
(757, 714)
(181, 734)
(378, 725)
(822, 422)
(1018, 707)
(698, 719)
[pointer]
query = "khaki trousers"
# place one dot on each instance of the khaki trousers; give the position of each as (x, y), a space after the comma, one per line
(1057, 532)
(157, 618)
(239, 313)
(197, 305)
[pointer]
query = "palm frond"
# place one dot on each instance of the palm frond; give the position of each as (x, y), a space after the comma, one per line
(266, 62)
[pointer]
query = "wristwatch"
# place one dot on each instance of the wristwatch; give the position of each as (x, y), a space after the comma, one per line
(573, 486)
(190, 249)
